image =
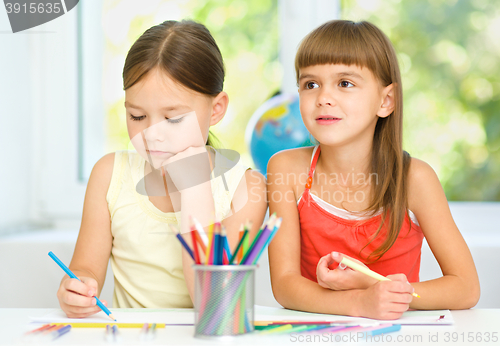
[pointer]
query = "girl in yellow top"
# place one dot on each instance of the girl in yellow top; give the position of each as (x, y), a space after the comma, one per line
(173, 81)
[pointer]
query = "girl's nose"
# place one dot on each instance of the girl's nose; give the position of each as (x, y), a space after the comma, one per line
(325, 98)
(156, 132)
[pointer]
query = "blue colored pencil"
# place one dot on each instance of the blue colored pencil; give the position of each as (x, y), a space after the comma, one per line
(73, 276)
(217, 244)
(271, 236)
(57, 333)
(225, 244)
(384, 330)
(183, 242)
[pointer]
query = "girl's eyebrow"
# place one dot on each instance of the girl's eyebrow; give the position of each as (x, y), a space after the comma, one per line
(167, 108)
(174, 107)
(304, 76)
(339, 75)
(350, 74)
(129, 105)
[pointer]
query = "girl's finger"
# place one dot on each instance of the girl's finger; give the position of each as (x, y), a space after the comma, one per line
(77, 300)
(84, 313)
(77, 286)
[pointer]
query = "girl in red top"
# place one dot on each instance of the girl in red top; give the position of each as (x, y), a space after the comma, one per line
(358, 194)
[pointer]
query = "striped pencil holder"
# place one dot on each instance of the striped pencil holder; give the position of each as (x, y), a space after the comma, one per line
(223, 300)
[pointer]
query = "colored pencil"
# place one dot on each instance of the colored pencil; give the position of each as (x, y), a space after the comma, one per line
(201, 236)
(362, 269)
(73, 276)
(383, 329)
(274, 323)
(53, 329)
(246, 245)
(210, 244)
(277, 225)
(240, 243)
(216, 245)
(259, 239)
(60, 332)
(103, 325)
(279, 329)
(183, 242)
(225, 243)
(195, 246)
(42, 328)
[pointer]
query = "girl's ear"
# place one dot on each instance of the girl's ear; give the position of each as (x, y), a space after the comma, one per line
(219, 107)
(387, 106)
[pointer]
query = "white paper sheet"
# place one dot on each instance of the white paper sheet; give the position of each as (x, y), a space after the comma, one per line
(264, 313)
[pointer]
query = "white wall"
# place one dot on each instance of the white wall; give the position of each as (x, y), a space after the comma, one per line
(16, 129)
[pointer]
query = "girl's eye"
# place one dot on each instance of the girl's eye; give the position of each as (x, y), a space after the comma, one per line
(174, 121)
(346, 84)
(311, 85)
(137, 118)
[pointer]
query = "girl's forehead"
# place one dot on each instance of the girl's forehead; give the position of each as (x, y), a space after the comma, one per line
(159, 85)
(325, 70)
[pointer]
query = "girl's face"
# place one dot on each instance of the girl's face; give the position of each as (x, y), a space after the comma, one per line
(340, 104)
(165, 118)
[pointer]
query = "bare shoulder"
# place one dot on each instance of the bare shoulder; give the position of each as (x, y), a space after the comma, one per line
(255, 178)
(102, 172)
(423, 183)
(291, 160)
(419, 173)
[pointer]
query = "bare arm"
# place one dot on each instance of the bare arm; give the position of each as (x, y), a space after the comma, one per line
(458, 288)
(93, 247)
(290, 288)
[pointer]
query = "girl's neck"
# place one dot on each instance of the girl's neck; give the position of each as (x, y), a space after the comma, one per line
(346, 161)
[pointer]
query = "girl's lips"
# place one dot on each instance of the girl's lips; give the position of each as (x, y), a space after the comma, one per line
(326, 120)
(157, 153)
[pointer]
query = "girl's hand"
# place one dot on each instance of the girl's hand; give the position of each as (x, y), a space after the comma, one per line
(341, 278)
(386, 300)
(188, 168)
(76, 298)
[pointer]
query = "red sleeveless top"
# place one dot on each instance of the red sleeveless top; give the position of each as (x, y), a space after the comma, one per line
(322, 232)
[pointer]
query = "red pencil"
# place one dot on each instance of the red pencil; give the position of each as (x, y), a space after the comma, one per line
(195, 247)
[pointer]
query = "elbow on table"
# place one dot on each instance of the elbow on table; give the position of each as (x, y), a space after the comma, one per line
(470, 297)
(280, 294)
(474, 295)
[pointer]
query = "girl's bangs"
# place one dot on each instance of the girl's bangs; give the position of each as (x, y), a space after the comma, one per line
(336, 45)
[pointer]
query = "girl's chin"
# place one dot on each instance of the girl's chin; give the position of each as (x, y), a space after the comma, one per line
(156, 162)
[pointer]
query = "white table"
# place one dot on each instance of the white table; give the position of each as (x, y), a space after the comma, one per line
(470, 328)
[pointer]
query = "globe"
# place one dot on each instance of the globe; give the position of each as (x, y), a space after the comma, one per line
(275, 126)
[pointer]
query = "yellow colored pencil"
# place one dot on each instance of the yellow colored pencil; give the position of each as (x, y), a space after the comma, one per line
(281, 329)
(362, 269)
(103, 325)
(209, 245)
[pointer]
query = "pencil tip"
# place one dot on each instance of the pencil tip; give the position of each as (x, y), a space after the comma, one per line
(112, 317)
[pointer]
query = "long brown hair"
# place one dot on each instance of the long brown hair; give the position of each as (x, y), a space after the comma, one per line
(185, 50)
(365, 45)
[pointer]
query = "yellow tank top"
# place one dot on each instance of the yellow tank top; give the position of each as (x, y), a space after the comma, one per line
(146, 257)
